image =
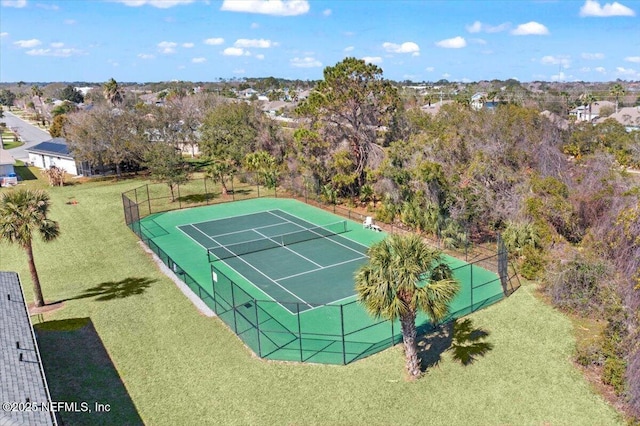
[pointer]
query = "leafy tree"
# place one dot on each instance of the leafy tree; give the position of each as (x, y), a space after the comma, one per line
(112, 92)
(404, 276)
(57, 126)
(64, 108)
(7, 97)
(264, 164)
(349, 107)
(588, 99)
(23, 212)
(165, 163)
(220, 171)
(71, 94)
(107, 136)
(230, 131)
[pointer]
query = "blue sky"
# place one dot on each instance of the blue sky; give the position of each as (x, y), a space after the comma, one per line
(204, 40)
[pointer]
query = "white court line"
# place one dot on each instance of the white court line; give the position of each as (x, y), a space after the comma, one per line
(292, 251)
(245, 230)
(321, 268)
(257, 270)
(225, 218)
(323, 236)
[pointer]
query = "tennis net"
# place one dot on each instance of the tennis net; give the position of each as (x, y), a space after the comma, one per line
(282, 240)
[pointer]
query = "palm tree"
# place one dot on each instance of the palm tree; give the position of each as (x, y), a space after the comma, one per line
(112, 93)
(219, 171)
(588, 99)
(23, 212)
(617, 90)
(403, 276)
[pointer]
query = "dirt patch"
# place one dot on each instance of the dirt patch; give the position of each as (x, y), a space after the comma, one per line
(50, 307)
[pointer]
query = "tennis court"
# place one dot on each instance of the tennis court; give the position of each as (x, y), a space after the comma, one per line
(279, 273)
(284, 256)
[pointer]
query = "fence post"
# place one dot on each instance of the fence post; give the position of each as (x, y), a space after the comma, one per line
(233, 307)
(255, 303)
(299, 331)
(471, 278)
(148, 199)
(213, 289)
(344, 346)
(206, 194)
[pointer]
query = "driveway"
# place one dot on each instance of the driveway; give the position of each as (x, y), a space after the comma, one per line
(29, 134)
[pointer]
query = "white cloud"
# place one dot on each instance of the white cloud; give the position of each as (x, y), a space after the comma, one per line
(57, 45)
(199, 60)
(628, 72)
(531, 28)
(14, 3)
(561, 76)
(478, 26)
(306, 62)
(28, 43)
(372, 59)
(430, 69)
(70, 22)
(4, 34)
(255, 26)
(61, 53)
(585, 69)
(452, 43)
(235, 51)
(46, 6)
(406, 47)
(239, 71)
(214, 41)
(271, 7)
(187, 45)
(446, 75)
(592, 56)
(565, 61)
(255, 43)
(161, 4)
(593, 8)
(167, 47)
(601, 70)
(145, 56)
(259, 56)
(349, 49)
(478, 41)
(635, 59)
(326, 12)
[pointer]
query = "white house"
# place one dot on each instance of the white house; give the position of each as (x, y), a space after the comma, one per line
(7, 173)
(55, 152)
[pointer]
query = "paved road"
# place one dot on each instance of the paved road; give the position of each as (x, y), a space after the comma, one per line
(29, 134)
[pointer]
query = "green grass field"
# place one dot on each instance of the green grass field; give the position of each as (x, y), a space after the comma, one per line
(176, 366)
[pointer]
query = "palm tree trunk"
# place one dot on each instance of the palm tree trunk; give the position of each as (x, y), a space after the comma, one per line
(409, 333)
(37, 289)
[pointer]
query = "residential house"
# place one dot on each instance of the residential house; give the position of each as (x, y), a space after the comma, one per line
(7, 173)
(628, 117)
(55, 152)
(582, 112)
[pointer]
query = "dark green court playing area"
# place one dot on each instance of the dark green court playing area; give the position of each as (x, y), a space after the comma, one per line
(280, 272)
(293, 261)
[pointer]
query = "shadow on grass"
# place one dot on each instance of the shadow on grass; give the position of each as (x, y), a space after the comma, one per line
(465, 343)
(197, 198)
(112, 290)
(79, 369)
(25, 173)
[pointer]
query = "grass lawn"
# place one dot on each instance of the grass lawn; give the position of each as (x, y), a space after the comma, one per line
(176, 366)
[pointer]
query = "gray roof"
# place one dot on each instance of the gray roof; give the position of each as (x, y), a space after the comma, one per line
(21, 374)
(57, 147)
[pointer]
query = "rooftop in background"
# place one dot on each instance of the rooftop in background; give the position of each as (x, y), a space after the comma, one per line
(54, 146)
(22, 378)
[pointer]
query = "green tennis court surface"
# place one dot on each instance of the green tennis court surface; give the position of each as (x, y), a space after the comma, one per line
(279, 273)
(293, 261)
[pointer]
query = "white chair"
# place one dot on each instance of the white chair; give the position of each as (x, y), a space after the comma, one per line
(368, 222)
